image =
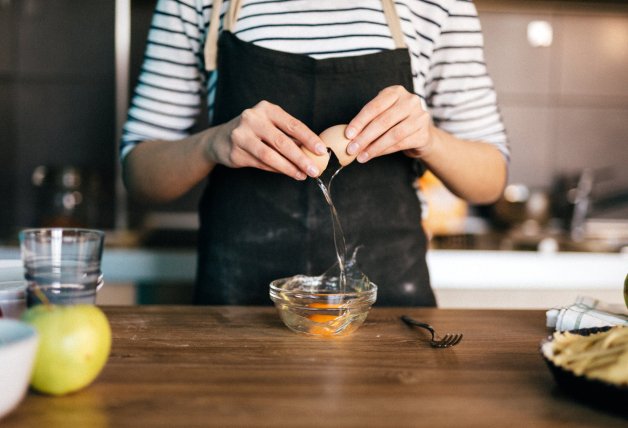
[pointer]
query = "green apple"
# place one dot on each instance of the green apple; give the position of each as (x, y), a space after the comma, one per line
(74, 346)
(626, 290)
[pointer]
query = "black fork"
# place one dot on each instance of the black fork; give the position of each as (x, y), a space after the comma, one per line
(445, 342)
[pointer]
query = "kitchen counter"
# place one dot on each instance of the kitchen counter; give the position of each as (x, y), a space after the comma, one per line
(525, 279)
(236, 366)
(449, 268)
(460, 278)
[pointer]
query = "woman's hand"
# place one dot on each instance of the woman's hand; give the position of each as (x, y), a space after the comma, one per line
(267, 137)
(393, 121)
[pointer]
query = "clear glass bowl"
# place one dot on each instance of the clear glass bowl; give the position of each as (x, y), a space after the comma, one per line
(316, 305)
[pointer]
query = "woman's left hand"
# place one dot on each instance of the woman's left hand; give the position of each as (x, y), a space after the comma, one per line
(393, 121)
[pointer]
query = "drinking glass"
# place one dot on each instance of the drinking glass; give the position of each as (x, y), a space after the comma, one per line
(62, 264)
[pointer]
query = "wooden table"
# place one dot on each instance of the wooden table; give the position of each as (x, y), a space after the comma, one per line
(235, 366)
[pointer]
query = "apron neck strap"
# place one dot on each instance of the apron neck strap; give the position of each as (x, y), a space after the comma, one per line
(232, 15)
(210, 50)
(211, 42)
(394, 23)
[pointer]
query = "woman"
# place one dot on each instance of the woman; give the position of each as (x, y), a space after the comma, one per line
(408, 79)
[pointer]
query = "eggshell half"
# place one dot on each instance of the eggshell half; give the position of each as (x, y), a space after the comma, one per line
(335, 139)
(321, 161)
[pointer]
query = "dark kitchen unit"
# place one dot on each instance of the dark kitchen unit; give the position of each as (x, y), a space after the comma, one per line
(57, 108)
(62, 108)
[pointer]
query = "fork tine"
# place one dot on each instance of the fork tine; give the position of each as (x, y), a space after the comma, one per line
(454, 340)
(448, 340)
(445, 339)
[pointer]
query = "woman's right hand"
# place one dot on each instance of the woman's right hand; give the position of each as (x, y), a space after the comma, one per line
(267, 137)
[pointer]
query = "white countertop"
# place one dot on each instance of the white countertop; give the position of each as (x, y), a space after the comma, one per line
(460, 279)
(449, 269)
(526, 269)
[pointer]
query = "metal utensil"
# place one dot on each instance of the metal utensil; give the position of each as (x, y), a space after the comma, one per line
(445, 342)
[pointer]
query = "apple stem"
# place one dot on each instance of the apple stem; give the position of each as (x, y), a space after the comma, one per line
(41, 295)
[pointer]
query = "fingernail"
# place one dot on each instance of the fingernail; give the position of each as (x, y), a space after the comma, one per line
(363, 157)
(312, 171)
(300, 176)
(320, 149)
(352, 148)
(350, 132)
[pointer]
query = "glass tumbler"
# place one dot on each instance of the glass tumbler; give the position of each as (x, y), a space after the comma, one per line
(62, 265)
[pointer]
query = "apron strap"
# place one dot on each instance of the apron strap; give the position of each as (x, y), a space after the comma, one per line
(232, 16)
(394, 23)
(211, 42)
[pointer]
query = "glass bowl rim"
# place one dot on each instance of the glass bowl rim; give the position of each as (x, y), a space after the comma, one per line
(275, 287)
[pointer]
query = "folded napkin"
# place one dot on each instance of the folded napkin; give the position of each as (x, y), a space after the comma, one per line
(586, 312)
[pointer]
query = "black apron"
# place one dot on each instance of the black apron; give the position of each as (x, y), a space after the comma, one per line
(257, 226)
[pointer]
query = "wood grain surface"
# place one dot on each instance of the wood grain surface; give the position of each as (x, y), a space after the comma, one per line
(184, 366)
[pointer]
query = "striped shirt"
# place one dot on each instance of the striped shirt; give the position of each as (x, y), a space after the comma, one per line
(443, 36)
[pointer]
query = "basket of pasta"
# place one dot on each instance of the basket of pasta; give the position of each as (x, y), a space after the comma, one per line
(591, 364)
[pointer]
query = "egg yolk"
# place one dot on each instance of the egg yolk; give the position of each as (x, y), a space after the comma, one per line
(322, 319)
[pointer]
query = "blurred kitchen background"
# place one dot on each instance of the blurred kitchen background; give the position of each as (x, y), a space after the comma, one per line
(560, 69)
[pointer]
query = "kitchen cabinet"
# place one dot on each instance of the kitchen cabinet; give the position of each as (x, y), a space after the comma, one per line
(57, 92)
(7, 31)
(7, 157)
(7, 86)
(65, 38)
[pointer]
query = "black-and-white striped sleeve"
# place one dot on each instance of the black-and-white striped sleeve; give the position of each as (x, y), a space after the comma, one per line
(167, 98)
(460, 92)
